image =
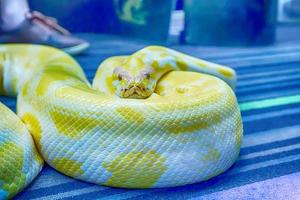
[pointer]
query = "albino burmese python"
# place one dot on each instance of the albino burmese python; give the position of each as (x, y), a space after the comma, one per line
(145, 123)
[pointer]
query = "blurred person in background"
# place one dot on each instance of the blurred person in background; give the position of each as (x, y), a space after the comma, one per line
(19, 25)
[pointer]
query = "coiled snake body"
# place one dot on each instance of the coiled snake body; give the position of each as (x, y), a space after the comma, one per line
(146, 122)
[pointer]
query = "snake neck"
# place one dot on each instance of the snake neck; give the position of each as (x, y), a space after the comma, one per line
(22, 64)
(171, 60)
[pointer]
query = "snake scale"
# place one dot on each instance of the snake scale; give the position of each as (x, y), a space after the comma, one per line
(156, 118)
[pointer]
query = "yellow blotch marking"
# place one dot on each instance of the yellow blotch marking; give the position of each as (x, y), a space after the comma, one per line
(131, 114)
(190, 125)
(225, 72)
(156, 48)
(34, 128)
(183, 66)
(12, 179)
(68, 166)
(164, 55)
(136, 169)
(179, 127)
(72, 124)
(212, 155)
(155, 65)
(47, 79)
(25, 89)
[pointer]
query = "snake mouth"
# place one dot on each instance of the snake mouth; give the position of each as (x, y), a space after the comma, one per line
(135, 92)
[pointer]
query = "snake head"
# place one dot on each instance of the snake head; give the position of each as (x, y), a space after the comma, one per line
(139, 85)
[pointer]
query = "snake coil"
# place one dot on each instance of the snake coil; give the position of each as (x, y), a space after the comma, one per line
(188, 130)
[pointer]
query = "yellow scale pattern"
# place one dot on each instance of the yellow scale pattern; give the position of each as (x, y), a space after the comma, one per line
(11, 176)
(34, 128)
(68, 166)
(19, 159)
(72, 124)
(136, 169)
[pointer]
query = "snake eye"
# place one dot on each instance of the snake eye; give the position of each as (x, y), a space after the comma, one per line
(119, 77)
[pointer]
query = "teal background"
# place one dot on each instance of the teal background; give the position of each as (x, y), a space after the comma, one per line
(101, 16)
